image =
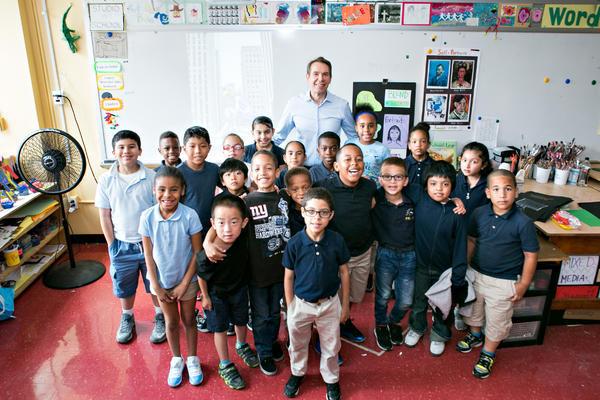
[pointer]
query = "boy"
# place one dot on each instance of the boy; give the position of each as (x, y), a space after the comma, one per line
(169, 148)
(315, 263)
(500, 281)
(353, 197)
(123, 193)
(225, 286)
(328, 146)
(233, 174)
(294, 156)
(441, 243)
(394, 226)
(201, 176)
(297, 183)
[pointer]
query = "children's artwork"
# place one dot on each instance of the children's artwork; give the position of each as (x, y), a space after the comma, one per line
(443, 150)
(176, 13)
(436, 106)
(356, 14)
(462, 74)
(485, 13)
(109, 44)
(388, 13)
(255, 14)
(333, 12)
(366, 97)
(578, 270)
(508, 14)
(317, 12)
(451, 14)
(395, 131)
(230, 15)
(193, 13)
(459, 107)
(140, 13)
(397, 98)
(416, 14)
(523, 16)
(437, 73)
(537, 13)
(291, 12)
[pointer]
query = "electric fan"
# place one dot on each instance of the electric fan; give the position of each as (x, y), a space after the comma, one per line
(52, 162)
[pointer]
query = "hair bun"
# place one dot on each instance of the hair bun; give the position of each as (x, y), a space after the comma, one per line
(424, 126)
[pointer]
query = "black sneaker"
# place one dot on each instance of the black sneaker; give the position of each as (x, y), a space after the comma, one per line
(333, 391)
(382, 337)
(267, 366)
(277, 351)
(483, 368)
(201, 322)
(231, 330)
(396, 334)
(370, 284)
(469, 342)
(292, 387)
(351, 332)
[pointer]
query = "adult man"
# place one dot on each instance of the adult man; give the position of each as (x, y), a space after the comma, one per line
(460, 105)
(315, 112)
(440, 78)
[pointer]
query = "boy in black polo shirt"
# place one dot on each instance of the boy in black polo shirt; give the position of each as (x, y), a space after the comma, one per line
(315, 262)
(501, 230)
(394, 225)
(224, 286)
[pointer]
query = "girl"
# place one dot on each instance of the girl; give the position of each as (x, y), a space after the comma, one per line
(374, 152)
(262, 132)
(295, 156)
(170, 228)
(418, 145)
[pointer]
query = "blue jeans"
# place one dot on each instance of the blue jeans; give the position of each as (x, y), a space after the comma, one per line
(264, 302)
(397, 267)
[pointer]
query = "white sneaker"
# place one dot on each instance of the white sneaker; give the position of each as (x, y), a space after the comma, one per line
(436, 348)
(412, 338)
(176, 372)
(194, 370)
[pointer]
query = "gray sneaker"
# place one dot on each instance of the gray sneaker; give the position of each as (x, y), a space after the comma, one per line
(126, 329)
(159, 333)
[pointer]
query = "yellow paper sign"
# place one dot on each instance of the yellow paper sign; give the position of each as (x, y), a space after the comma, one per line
(111, 104)
(110, 81)
(571, 16)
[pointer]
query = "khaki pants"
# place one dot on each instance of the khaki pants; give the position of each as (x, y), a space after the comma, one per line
(359, 268)
(326, 316)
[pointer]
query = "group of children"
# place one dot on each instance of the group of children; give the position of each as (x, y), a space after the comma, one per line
(312, 237)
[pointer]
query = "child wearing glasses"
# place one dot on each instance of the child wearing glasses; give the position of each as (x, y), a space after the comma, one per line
(316, 263)
(394, 226)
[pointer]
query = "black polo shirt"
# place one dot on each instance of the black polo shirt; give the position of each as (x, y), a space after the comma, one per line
(472, 197)
(316, 265)
(501, 241)
(394, 225)
(416, 168)
(352, 216)
(251, 149)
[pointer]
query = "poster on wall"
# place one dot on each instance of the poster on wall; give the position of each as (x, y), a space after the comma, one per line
(449, 87)
(394, 105)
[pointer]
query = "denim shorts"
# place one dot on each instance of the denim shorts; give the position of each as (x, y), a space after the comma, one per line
(126, 264)
(225, 309)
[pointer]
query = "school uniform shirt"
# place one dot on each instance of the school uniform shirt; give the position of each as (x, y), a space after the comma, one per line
(352, 216)
(316, 265)
(280, 181)
(309, 119)
(501, 241)
(126, 200)
(394, 225)
(416, 169)
(373, 156)
(269, 233)
(250, 149)
(200, 190)
(171, 241)
(163, 164)
(441, 238)
(319, 172)
(226, 191)
(296, 219)
(473, 197)
(229, 275)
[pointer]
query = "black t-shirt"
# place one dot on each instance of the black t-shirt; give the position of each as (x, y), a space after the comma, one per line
(269, 231)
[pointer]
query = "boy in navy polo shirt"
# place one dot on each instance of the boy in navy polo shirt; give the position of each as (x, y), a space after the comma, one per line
(328, 146)
(394, 225)
(503, 230)
(441, 243)
(315, 262)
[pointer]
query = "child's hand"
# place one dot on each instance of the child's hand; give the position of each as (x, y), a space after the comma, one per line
(520, 289)
(213, 252)
(179, 291)
(345, 314)
(460, 206)
(206, 302)
(162, 294)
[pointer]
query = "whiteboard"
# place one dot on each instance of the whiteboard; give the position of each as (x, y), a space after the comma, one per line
(177, 78)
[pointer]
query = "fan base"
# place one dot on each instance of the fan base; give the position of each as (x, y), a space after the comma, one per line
(62, 276)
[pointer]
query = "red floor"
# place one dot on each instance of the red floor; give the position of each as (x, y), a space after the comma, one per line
(61, 346)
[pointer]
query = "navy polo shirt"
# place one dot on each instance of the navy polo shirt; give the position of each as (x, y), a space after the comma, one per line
(316, 265)
(472, 197)
(394, 225)
(251, 149)
(200, 190)
(352, 216)
(319, 172)
(416, 168)
(501, 241)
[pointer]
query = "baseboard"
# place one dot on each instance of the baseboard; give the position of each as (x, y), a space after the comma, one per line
(87, 239)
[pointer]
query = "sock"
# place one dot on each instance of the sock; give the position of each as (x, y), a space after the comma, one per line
(224, 363)
(239, 345)
(476, 334)
(128, 312)
(157, 310)
(489, 353)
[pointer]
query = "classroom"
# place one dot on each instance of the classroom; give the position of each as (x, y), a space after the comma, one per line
(373, 104)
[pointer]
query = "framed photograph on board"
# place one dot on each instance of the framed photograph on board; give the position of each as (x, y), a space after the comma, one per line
(388, 13)
(437, 74)
(416, 14)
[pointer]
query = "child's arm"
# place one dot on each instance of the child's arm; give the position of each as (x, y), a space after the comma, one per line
(107, 225)
(471, 242)
(180, 289)
(213, 252)
(345, 278)
(460, 206)
(528, 271)
(288, 286)
(206, 301)
(152, 276)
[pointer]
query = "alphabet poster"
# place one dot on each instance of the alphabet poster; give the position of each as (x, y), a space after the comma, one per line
(449, 88)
